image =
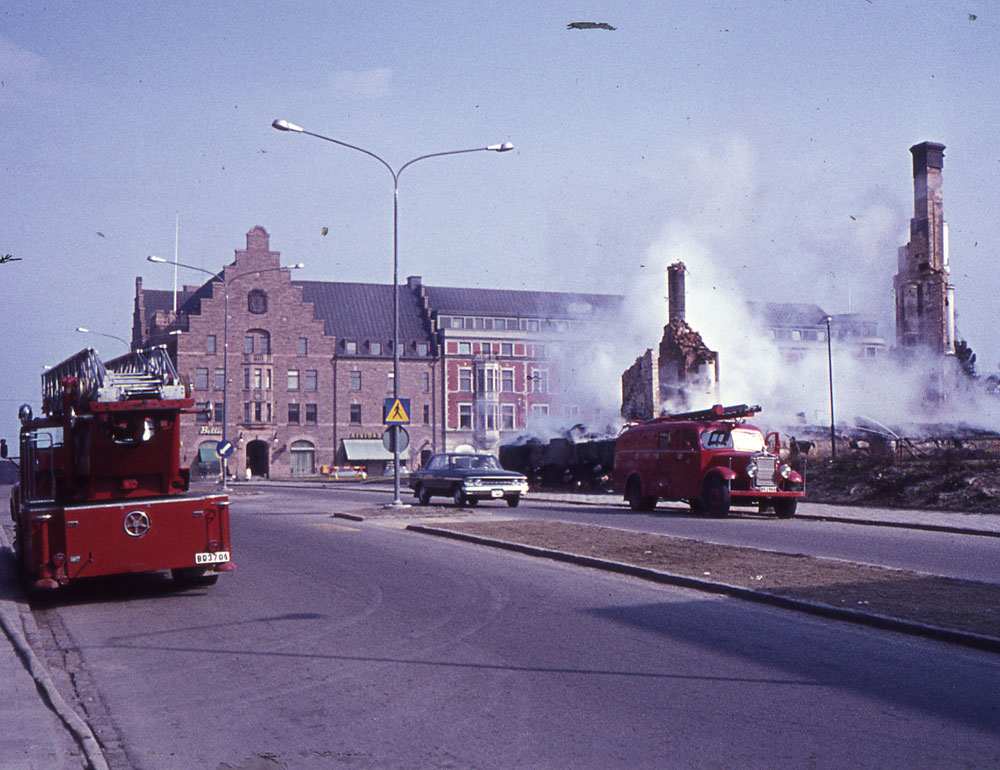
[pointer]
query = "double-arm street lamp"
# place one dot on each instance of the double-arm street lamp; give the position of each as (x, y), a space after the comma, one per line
(225, 334)
(284, 125)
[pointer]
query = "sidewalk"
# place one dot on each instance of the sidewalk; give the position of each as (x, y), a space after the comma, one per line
(39, 730)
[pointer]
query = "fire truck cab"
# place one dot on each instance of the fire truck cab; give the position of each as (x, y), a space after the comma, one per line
(710, 459)
(101, 490)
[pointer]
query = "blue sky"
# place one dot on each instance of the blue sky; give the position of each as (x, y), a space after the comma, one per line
(769, 139)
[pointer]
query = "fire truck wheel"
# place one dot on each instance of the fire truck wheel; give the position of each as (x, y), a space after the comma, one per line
(194, 576)
(636, 500)
(715, 496)
(423, 495)
(785, 508)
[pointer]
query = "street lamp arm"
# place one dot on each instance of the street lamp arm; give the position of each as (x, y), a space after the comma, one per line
(506, 146)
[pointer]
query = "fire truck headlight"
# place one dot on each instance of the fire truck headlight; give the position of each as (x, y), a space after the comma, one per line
(147, 429)
(785, 470)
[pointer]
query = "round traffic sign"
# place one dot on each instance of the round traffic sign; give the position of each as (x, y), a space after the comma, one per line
(224, 449)
(395, 438)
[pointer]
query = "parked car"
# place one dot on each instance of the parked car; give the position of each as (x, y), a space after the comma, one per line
(467, 479)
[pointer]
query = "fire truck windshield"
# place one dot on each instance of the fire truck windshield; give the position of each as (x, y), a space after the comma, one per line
(740, 439)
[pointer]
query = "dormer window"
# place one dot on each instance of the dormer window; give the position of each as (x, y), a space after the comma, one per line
(375, 348)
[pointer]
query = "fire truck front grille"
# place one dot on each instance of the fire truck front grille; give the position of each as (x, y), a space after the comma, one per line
(766, 477)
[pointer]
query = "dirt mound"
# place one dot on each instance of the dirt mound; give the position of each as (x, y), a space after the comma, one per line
(954, 480)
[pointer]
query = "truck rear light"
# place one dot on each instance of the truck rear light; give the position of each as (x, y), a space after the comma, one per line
(129, 483)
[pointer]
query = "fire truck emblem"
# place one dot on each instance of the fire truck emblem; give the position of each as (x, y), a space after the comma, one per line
(136, 523)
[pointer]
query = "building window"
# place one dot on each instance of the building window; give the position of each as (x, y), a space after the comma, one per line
(355, 381)
(427, 414)
(486, 380)
(507, 380)
(303, 458)
(219, 381)
(293, 379)
(257, 302)
(465, 348)
(355, 414)
(204, 411)
(465, 380)
(427, 382)
(293, 413)
(390, 382)
(375, 348)
(507, 348)
(258, 379)
(422, 349)
(210, 344)
(311, 414)
(246, 379)
(312, 379)
(539, 410)
(465, 416)
(350, 346)
(218, 411)
(538, 351)
(539, 381)
(487, 416)
(246, 411)
(258, 411)
(303, 346)
(201, 378)
(506, 416)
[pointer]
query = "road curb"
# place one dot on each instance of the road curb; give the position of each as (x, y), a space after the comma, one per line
(975, 641)
(11, 621)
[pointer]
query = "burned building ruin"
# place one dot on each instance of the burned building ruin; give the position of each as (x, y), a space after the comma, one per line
(925, 309)
(682, 371)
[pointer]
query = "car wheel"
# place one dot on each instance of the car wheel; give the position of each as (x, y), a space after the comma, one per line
(636, 500)
(459, 497)
(423, 495)
(513, 500)
(785, 508)
(715, 496)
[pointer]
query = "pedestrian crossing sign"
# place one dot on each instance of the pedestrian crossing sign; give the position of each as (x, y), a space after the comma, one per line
(396, 411)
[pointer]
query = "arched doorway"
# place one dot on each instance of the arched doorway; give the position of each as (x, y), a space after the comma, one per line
(303, 458)
(258, 453)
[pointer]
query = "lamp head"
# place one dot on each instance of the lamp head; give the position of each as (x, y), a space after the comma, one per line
(284, 125)
(504, 147)
(151, 258)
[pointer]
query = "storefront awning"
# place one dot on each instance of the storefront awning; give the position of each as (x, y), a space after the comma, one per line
(206, 453)
(361, 449)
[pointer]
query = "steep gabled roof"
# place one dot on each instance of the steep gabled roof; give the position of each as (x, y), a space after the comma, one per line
(363, 311)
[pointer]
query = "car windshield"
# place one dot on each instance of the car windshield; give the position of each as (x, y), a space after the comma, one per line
(740, 439)
(466, 462)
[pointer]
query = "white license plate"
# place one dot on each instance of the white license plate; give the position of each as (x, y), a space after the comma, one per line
(211, 558)
(497, 493)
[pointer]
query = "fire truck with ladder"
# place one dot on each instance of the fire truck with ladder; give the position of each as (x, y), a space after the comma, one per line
(710, 459)
(101, 490)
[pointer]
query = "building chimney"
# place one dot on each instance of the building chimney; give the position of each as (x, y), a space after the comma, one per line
(675, 291)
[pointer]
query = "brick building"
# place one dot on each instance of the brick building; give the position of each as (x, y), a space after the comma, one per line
(310, 363)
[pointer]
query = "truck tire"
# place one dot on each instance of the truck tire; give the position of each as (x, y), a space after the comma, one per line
(423, 495)
(785, 508)
(715, 496)
(513, 500)
(636, 500)
(458, 496)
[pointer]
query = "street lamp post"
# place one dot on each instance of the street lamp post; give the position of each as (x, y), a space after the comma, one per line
(225, 336)
(84, 330)
(284, 125)
(829, 364)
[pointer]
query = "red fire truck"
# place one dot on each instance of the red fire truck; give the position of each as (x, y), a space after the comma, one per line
(710, 459)
(101, 490)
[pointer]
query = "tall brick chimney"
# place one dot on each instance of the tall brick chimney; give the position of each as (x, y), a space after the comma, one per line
(675, 291)
(925, 313)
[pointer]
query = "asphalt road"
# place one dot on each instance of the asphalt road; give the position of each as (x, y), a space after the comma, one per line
(366, 646)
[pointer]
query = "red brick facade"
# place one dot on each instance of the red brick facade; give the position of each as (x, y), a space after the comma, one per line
(310, 365)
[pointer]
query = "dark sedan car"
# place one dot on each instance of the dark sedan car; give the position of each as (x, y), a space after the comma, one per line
(467, 479)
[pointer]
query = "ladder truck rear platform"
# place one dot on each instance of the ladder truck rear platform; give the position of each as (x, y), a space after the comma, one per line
(101, 490)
